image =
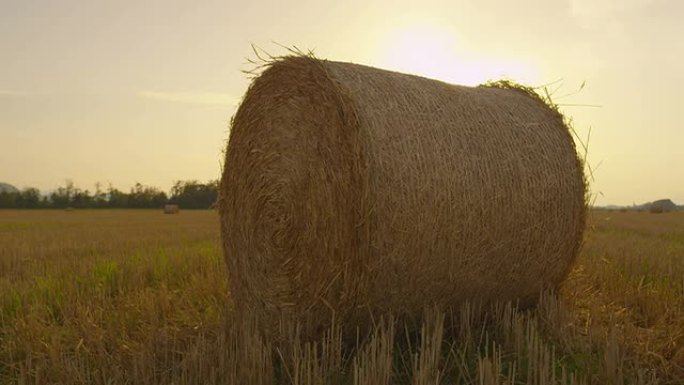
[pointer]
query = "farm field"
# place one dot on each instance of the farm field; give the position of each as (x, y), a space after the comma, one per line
(138, 297)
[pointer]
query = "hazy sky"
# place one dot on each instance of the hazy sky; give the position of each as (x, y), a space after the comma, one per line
(127, 91)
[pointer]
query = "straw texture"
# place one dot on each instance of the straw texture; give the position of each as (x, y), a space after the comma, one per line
(349, 191)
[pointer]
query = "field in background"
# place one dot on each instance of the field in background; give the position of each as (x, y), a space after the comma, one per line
(114, 297)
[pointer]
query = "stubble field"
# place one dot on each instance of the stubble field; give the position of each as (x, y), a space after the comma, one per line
(138, 297)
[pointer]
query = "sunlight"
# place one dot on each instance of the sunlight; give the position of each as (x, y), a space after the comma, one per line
(434, 52)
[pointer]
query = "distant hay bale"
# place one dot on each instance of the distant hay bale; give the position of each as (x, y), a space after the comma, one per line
(350, 190)
(170, 209)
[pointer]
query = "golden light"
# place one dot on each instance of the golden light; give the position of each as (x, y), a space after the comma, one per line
(434, 52)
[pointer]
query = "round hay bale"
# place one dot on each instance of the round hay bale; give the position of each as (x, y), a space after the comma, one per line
(171, 209)
(349, 190)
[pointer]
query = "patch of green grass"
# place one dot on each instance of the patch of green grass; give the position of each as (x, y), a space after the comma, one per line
(6, 226)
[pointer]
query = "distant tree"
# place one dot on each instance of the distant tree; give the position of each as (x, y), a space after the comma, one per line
(81, 199)
(60, 198)
(69, 190)
(194, 195)
(116, 198)
(146, 197)
(99, 197)
(188, 194)
(8, 200)
(29, 198)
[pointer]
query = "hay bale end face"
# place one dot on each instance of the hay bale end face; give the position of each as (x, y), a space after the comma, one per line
(350, 190)
(171, 209)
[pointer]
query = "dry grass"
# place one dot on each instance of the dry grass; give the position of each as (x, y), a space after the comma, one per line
(138, 297)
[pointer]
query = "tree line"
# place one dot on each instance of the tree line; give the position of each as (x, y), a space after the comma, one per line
(187, 194)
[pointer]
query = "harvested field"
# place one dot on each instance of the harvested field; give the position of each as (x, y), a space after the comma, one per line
(138, 297)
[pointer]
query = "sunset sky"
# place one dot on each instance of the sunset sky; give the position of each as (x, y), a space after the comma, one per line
(142, 91)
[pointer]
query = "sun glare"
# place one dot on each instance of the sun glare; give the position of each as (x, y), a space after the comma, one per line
(434, 52)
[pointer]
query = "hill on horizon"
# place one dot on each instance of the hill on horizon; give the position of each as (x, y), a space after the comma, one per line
(8, 188)
(660, 205)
